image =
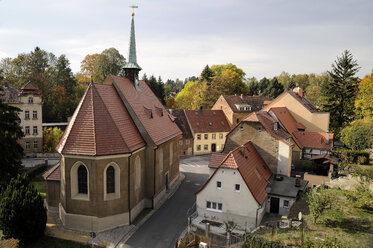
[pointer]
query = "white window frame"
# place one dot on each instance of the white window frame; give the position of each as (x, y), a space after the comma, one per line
(27, 130)
(235, 187)
(217, 184)
(206, 136)
(221, 136)
(213, 136)
(35, 144)
(30, 100)
(214, 206)
(34, 115)
(35, 128)
(199, 136)
(27, 115)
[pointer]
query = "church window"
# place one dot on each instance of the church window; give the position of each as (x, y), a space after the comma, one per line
(110, 180)
(82, 180)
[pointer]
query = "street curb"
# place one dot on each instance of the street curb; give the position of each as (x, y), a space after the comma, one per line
(127, 236)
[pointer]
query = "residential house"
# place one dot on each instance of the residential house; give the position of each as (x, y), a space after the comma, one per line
(302, 110)
(29, 100)
(272, 141)
(186, 142)
(209, 128)
(242, 189)
(119, 154)
(238, 107)
(236, 191)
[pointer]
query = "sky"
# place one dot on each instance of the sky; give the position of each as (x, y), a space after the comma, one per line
(176, 39)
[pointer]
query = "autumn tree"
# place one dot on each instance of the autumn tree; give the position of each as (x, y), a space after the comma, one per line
(189, 97)
(314, 94)
(51, 137)
(364, 98)
(340, 92)
(87, 67)
(110, 61)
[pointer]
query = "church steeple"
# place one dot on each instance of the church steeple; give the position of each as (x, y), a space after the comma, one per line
(131, 68)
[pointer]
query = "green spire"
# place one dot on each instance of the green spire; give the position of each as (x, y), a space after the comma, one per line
(132, 60)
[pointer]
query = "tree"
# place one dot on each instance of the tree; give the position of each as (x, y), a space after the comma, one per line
(263, 84)
(156, 87)
(301, 80)
(364, 98)
(291, 85)
(274, 89)
(359, 134)
(340, 93)
(110, 61)
(189, 96)
(284, 79)
(253, 86)
(206, 74)
(170, 102)
(87, 67)
(314, 94)
(317, 203)
(51, 138)
(11, 152)
(22, 212)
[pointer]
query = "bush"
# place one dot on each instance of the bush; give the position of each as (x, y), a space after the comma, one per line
(328, 243)
(352, 156)
(253, 241)
(22, 212)
(318, 202)
(35, 171)
(361, 160)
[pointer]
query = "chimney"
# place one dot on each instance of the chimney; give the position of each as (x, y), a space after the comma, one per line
(297, 181)
(300, 93)
(327, 138)
(241, 96)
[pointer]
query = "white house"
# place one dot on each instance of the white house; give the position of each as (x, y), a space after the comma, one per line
(236, 191)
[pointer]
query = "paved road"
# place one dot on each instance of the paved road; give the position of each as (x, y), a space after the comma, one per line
(163, 228)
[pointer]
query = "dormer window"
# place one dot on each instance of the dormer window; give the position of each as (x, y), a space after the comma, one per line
(148, 113)
(210, 123)
(159, 111)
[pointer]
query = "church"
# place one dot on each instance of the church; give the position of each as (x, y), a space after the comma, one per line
(118, 155)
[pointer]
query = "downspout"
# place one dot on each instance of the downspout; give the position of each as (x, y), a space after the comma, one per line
(256, 217)
(154, 174)
(129, 189)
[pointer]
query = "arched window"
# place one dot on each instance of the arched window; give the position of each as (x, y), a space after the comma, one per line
(82, 180)
(110, 180)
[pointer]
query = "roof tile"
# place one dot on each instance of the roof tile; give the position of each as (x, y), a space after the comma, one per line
(207, 121)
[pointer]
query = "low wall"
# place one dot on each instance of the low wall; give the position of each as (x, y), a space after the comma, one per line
(47, 155)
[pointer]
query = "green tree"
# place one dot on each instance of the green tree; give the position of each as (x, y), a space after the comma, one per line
(314, 94)
(340, 93)
(274, 88)
(206, 74)
(253, 86)
(291, 85)
(11, 152)
(317, 203)
(263, 84)
(22, 212)
(364, 98)
(358, 134)
(51, 138)
(284, 79)
(301, 80)
(189, 96)
(156, 87)
(110, 61)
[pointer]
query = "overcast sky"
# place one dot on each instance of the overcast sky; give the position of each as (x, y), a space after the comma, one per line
(176, 39)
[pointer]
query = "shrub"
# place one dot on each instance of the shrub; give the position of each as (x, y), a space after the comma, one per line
(318, 202)
(36, 170)
(351, 156)
(257, 242)
(22, 212)
(328, 243)
(361, 160)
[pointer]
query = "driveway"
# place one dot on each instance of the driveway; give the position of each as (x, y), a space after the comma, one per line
(163, 228)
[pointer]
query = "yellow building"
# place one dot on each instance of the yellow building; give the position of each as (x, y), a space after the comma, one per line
(209, 128)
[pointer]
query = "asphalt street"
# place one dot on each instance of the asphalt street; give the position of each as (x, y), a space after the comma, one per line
(163, 228)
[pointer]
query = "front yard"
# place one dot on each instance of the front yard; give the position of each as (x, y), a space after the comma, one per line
(351, 226)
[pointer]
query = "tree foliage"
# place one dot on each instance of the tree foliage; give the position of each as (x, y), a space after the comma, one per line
(364, 98)
(22, 212)
(317, 202)
(11, 152)
(358, 134)
(51, 138)
(87, 67)
(156, 86)
(110, 61)
(314, 94)
(274, 89)
(340, 92)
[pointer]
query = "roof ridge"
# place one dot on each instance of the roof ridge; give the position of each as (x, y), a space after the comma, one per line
(61, 144)
(111, 117)
(93, 117)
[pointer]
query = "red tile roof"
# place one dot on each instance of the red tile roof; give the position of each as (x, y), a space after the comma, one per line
(256, 102)
(301, 138)
(101, 125)
(182, 122)
(216, 159)
(252, 168)
(146, 106)
(207, 121)
(268, 123)
(53, 174)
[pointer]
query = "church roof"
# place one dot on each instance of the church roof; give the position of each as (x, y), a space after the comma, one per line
(101, 125)
(147, 108)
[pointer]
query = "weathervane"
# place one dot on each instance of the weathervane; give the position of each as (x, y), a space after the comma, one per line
(133, 9)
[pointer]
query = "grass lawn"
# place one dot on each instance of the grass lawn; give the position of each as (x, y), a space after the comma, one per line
(352, 226)
(40, 186)
(46, 242)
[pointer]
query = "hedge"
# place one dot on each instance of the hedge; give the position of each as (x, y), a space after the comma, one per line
(353, 155)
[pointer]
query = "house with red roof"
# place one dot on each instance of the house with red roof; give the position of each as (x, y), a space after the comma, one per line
(237, 107)
(243, 188)
(119, 154)
(186, 142)
(209, 129)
